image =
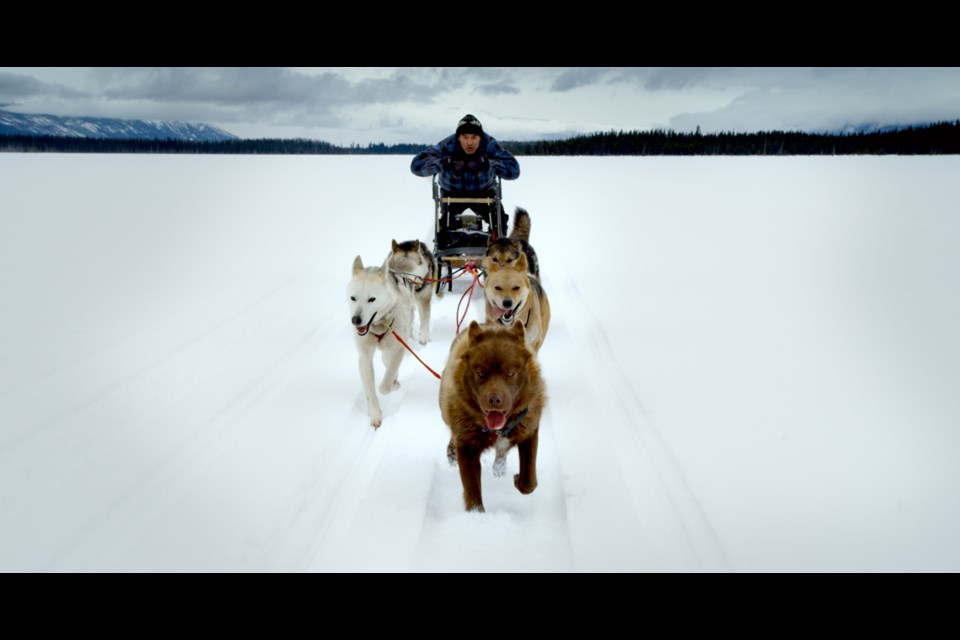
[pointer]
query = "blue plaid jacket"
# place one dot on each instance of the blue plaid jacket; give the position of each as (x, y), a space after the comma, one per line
(460, 173)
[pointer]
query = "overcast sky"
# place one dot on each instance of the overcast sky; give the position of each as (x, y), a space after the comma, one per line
(423, 104)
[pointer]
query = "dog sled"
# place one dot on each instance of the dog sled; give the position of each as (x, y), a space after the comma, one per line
(460, 234)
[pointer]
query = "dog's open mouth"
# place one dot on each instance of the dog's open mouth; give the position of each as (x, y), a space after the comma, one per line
(364, 330)
(505, 316)
(496, 420)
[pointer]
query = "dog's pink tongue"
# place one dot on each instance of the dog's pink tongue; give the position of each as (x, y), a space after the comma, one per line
(498, 312)
(496, 420)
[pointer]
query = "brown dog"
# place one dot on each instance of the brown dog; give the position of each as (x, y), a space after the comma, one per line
(491, 394)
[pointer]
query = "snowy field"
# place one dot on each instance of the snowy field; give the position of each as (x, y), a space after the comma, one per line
(753, 365)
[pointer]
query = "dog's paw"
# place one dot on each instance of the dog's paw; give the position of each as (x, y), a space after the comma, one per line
(500, 465)
(424, 338)
(524, 489)
(386, 387)
(375, 413)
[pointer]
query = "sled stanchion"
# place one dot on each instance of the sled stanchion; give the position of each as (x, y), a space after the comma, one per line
(464, 224)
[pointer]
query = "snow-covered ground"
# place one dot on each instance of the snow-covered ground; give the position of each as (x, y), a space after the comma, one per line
(753, 365)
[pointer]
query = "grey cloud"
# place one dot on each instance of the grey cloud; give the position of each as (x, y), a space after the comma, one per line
(501, 88)
(770, 79)
(851, 99)
(439, 79)
(270, 95)
(490, 74)
(246, 87)
(223, 86)
(383, 101)
(15, 87)
(399, 88)
(666, 78)
(458, 76)
(680, 78)
(650, 78)
(578, 77)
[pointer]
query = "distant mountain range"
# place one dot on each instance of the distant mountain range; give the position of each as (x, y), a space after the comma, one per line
(112, 128)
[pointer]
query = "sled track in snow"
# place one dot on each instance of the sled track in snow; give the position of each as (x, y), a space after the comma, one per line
(168, 450)
(638, 514)
(672, 519)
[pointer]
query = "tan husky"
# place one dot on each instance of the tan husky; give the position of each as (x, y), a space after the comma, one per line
(513, 294)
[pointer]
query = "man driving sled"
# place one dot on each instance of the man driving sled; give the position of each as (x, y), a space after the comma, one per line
(468, 162)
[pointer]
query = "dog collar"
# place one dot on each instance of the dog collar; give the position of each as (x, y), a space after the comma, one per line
(510, 427)
(379, 336)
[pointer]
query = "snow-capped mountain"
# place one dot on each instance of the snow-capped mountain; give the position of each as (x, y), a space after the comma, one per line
(76, 127)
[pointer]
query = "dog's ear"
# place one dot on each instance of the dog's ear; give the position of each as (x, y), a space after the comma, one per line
(522, 262)
(474, 332)
(492, 239)
(396, 247)
(357, 265)
(519, 330)
(416, 246)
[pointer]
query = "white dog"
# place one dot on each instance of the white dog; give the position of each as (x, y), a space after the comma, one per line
(379, 305)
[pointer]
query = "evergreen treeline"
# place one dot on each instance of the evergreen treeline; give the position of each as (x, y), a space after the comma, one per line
(940, 138)
(60, 144)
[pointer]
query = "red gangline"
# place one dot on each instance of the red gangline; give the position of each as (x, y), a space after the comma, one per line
(399, 339)
(468, 294)
(472, 268)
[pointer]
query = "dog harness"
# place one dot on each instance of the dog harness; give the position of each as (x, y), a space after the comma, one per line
(379, 336)
(417, 283)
